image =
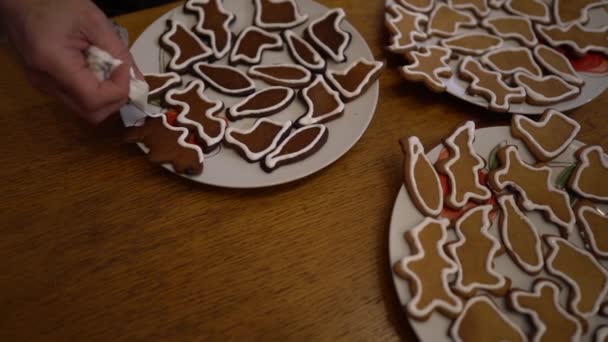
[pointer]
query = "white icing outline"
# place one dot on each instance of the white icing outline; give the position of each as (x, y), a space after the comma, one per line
(584, 163)
(570, 77)
(489, 24)
(474, 85)
(552, 241)
(236, 57)
(415, 150)
(586, 228)
(604, 309)
(544, 19)
(252, 156)
(351, 95)
(299, 18)
(272, 159)
(174, 79)
(215, 85)
(289, 36)
(182, 138)
(405, 4)
(448, 43)
(295, 83)
(601, 334)
(184, 120)
(541, 98)
(541, 327)
(456, 326)
(496, 3)
(487, 60)
(544, 121)
(579, 49)
(177, 51)
(433, 31)
(337, 56)
(471, 7)
(414, 35)
(583, 13)
(236, 114)
(445, 273)
(512, 152)
(199, 28)
(504, 227)
(409, 73)
(307, 118)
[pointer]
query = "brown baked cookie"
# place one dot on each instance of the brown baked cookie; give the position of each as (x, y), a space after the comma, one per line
(405, 28)
(446, 21)
(303, 53)
(592, 225)
(579, 39)
(511, 60)
(160, 83)
(556, 63)
(429, 66)
(297, 146)
(355, 79)
(328, 37)
(322, 103)
(213, 23)
(421, 6)
(286, 75)
(567, 12)
(479, 7)
(255, 143)
(225, 79)
(545, 90)
(266, 102)
(475, 43)
(277, 14)
(184, 46)
(536, 10)
(589, 177)
(519, 28)
(251, 44)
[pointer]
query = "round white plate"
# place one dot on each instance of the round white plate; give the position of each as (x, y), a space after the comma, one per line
(595, 84)
(405, 216)
(224, 167)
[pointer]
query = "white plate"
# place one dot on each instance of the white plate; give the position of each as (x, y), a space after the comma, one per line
(224, 167)
(405, 216)
(595, 84)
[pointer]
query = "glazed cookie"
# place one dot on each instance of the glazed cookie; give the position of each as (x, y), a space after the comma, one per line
(278, 14)
(445, 21)
(256, 142)
(592, 225)
(427, 270)
(422, 6)
(479, 7)
(490, 85)
(286, 75)
(508, 61)
(328, 37)
(355, 79)
(213, 23)
(429, 66)
(578, 38)
(405, 28)
(589, 177)
(266, 102)
(557, 63)
(547, 138)
(567, 12)
(545, 90)
(297, 146)
(536, 10)
(225, 79)
(421, 179)
(184, 46)
(160, 84)
(322, 103)
(474, 44)
(462, 168)
(519, 28)
(303, 53)
(251, 44)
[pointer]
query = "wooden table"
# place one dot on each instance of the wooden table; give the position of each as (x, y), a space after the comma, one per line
(98, 244)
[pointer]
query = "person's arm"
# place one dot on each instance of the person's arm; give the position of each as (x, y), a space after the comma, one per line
(51, 37)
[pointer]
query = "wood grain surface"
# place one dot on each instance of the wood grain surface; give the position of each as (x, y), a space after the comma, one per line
(97, 244)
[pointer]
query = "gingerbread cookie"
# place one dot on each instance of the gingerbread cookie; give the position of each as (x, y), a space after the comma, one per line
(303, 53)
(592, 225)
(213, 23)
(266, 102)
(462, 168)
(256, 142)
(586, 276)
(567, 12)
(421, 179)
(445, 21)
(589, 177)
(405, 28)
(535, 187)
(355, 79)
(422, 6)
(287, 75)
(428, 269)
(474, 44)
(322, 103)
(545, 90)
(328, 37)
(519, 28)
(578, 38)
(251, 44)
(159, 84)
(278, 14)
(479, 7)
(225, 79)
(490, 85)
(481, 320)
(184, 46)
(299, 145)
(551, 321)
(429, 66)
(547, 138)
(508, 61)
(536, 10)
(557, 63)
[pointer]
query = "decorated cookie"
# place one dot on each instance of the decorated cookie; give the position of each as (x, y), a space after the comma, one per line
(328, 37)
(303, 53)
(519, 28)
(213, 23)
(225, 79)
(287, 75)
(462, 168)
(322, 103)
(481, 320)
(299, 145)
(592, 224)
(567, 12)
(168, 145)
(405, 28)
(198, 113)
(266, 102)
(355, 79)
(184, 46)
(551, 321)
(508, 61)
(278, 14)
(446, 21)
(479, 7)
(545, 90)
(589, 177)
(429, 66)
(547, 138)
(601, 334)
(251, 44)
(422, 6)
(586, 276)
(578, 38)
(536, 10)
(557, 63)
(534, 186)
(489, 84)
(428, 269)
(475, 43)
(256, 142)
(159, 84)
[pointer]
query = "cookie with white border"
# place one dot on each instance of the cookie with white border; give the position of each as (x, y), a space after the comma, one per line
(184, 46)
(472, 43)
(429, 66)
(579, 39)
(354, 81)
(592, 223)
(326, 35)
(536, 10)
(302, 52)
(322, 103)
(297, 146)
(287, 75)
(225, 79)
(262, 103)
(446, 21)
(251, 44)
(556, 63)
(510, 60)
(589, 177)
(405, 27)
(479, 7)
(256, 142)
(160, 83)
(545, 90)
(278, 14)
(507, 26)
(569, 11)
(214, 23)
(422, 6)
